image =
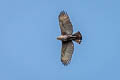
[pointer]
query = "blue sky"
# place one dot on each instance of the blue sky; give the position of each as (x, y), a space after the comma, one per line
(29, 49)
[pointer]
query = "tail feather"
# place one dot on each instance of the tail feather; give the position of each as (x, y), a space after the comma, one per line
(78, 37)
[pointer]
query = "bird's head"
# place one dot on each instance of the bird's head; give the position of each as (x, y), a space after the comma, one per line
(60, 37)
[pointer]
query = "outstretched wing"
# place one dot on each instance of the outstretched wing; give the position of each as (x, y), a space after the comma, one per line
(65, 24)
(66, 52)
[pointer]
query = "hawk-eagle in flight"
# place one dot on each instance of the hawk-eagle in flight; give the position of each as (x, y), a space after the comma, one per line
(67, 37)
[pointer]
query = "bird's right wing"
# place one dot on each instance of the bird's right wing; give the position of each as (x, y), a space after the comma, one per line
(66, 52)
(65, 24)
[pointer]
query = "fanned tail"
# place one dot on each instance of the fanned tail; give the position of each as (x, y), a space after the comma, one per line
(78, 37)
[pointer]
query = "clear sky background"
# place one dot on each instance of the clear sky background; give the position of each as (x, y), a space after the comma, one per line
(29, 49)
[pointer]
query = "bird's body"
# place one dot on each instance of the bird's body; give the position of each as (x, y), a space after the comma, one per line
(67, 37)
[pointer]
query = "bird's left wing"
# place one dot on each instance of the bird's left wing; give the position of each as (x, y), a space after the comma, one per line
(66, 52)
(65, 24)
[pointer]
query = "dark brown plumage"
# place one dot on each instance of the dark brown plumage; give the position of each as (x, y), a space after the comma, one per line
(65, 24)
(67, 37)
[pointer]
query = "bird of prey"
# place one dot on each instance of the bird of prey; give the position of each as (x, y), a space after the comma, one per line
(67, 37)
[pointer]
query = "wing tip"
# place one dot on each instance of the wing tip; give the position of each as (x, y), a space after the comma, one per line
(65, 62)
(63, 13)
